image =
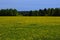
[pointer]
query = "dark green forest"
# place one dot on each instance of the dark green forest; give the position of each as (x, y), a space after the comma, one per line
(40, 12)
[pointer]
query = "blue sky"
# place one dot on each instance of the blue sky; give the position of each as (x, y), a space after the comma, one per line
(29, 4)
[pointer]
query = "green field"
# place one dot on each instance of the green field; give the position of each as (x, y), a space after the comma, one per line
(29, 28)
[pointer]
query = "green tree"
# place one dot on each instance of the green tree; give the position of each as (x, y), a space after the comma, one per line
(15, 12)
(57, 12)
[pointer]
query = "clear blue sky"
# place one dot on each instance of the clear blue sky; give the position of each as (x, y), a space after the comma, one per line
(29, 4)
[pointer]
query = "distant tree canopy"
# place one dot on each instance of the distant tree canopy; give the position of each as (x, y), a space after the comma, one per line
(40, 12)
(8, 12)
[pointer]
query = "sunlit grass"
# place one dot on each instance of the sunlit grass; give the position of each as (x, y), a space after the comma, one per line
(29, 28)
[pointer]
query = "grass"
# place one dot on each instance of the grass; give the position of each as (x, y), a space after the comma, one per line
(29, 28)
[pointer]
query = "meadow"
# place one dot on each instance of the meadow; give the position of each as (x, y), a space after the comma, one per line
(29, 28)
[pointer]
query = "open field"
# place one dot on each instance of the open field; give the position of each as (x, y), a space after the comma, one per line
(29, 28)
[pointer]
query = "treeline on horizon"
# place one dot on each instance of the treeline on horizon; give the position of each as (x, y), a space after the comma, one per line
(40, 12)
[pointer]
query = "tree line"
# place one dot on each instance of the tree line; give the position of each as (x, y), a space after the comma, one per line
(8, 12)
(40, 12)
